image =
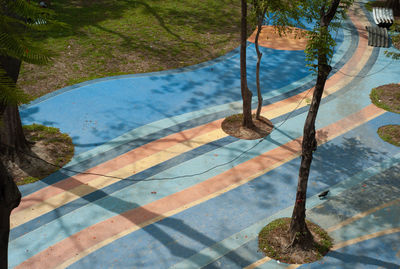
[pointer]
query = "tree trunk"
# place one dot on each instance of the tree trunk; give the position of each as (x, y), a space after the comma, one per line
(246, 93)
(12, 138)
(259, 56)
(10, 198)
(299, 233)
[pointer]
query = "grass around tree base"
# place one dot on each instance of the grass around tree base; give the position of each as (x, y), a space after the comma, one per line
(273, 240)
(390, 134)
(48, 144)
(387, 97)
(108, 37)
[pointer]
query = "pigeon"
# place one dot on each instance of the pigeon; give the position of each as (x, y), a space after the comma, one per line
(323, 194)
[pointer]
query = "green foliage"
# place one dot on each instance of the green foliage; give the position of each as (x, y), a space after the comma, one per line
(9, 92)
(27, 180)
(289, 13)
(17, 18)
(320, 41)
(39, 127)
(278, 13)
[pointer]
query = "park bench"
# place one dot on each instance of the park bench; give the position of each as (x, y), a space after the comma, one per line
(383, 16)
(378, 36)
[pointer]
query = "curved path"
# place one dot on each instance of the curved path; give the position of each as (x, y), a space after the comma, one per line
(160, 185)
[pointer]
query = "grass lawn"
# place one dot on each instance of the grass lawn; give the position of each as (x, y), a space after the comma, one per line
(108, 37)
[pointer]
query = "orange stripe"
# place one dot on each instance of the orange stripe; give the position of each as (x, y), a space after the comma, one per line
(116, 163)
(95, 234)
(166, 142)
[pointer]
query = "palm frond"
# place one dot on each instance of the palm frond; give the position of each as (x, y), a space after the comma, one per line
(27, 10)
(9, 92)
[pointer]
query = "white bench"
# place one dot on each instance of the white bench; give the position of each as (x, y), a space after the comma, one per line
(383, 16)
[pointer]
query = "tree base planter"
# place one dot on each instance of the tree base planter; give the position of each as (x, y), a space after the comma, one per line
(387, 97)
(232, 125)
(390, 134)
(49, 144)
(274, 239)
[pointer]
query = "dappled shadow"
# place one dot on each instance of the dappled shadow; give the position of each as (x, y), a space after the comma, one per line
(365, 260)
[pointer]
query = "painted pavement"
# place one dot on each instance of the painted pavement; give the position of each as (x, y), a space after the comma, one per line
(155, 183)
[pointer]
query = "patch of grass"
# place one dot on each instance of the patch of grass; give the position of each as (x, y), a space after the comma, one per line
(371, 4)
(387, 97)
(107, 37)
(41, 128)
(274, 237)
(27, 180)
(390, 134)
(49, 144)
(234, 118)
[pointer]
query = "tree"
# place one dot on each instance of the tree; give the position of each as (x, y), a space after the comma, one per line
(14, 48)
(320, 48)
(18, 18)
(246, 93)
(10, 198)
(282, 14)
(260, 11)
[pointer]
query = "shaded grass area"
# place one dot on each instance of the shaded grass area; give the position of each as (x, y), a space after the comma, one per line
(390, 134)
(387, 97)
(107, 37)
(274, 238)
(48, 144)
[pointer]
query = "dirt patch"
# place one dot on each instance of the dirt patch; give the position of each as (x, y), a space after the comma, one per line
(274, 239)
(293, 39)
(232, 125)
(387, 97)
(390, 134)
(50, 145)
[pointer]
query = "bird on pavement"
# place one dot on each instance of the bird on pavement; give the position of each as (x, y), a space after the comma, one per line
(323, 194)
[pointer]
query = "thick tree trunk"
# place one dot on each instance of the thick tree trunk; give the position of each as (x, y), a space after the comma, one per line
(246, 93)
(299, 234)
(12, 138)
(259, 56)
(10, 198)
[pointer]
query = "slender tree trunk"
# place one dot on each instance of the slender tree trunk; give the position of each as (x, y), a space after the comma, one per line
(298, 228)
(10, 198)
(12, 138)
(259, 56)
(246, 93)
(299, 233)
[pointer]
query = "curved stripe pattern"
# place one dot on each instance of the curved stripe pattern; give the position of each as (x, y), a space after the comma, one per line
(173, 174)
